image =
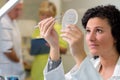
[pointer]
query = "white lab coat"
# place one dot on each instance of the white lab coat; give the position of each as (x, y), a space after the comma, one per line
(10, 38)
(86, 71)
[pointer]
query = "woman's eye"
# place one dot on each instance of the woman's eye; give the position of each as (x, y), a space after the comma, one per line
(87, 31)
(99, 31)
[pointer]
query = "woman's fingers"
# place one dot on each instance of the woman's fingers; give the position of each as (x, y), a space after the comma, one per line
(45, 24)
(72, 31)
(67, 34)
(72, 34)
(75, 31)
(49, 29)
(41, 23)
(48, 24)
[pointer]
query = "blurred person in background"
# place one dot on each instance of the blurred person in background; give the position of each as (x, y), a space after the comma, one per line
(47, 9)
(11, 62)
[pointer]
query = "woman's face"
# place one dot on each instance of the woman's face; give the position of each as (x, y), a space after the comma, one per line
(45, 15)
(98, 36)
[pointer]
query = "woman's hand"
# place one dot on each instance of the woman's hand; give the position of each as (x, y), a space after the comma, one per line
(75, 38)
(48, 32)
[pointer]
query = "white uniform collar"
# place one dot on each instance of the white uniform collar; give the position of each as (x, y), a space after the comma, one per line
(116, 74)
(117, 69)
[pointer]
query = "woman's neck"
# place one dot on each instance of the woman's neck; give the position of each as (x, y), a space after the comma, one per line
(108, 64)
(109, 61)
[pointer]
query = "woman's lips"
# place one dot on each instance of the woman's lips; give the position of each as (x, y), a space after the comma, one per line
(93, 45)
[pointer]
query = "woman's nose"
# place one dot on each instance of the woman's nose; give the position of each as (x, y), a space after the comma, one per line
(92, 36)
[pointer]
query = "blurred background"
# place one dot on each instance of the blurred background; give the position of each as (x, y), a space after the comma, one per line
(30, 18)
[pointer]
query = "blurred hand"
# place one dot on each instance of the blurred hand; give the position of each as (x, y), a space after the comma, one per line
(74, 36)
(48, 32)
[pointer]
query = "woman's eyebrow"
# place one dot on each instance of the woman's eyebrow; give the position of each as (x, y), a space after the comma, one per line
(95, 27)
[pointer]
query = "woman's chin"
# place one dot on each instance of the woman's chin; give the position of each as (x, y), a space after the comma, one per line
(93, 52)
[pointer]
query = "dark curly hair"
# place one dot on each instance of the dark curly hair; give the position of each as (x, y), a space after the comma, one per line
(109, 12)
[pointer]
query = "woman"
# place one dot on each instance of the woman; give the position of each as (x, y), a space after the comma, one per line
(47, 9)
(102, 25)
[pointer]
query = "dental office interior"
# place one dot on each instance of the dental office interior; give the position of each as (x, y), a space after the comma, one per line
(30, 18)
